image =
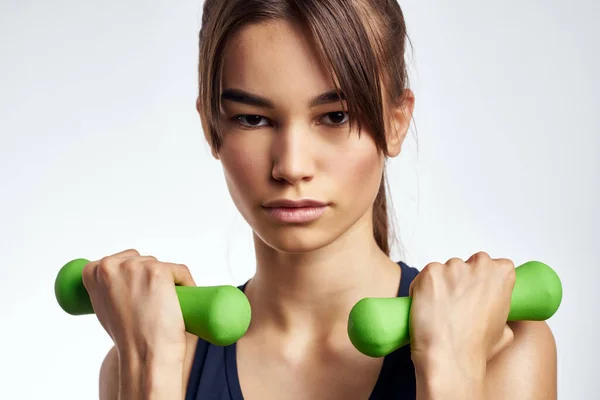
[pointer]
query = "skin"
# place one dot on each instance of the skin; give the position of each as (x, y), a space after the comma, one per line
(309, 276)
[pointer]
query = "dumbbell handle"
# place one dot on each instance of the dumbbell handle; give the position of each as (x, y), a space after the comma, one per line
(378, 326)
(217, 314)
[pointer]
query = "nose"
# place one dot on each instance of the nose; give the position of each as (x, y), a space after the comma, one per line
(292, 155)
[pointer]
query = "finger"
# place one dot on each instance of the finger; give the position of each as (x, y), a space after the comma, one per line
(505, 341)
(182, 275)
(180, 272)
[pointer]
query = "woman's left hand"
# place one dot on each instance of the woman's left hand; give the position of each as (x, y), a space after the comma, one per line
(458, 316)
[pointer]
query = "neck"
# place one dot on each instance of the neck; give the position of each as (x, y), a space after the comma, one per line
(311, 294)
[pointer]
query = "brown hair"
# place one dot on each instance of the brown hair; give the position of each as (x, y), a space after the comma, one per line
(362, 42)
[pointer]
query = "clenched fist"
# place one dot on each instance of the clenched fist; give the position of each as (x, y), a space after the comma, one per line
(134, 299)
(459, 312)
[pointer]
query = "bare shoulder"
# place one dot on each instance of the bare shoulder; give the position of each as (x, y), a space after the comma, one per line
(109, 371)
(527, 368)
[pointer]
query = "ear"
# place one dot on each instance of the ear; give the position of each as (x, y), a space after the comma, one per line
(206, 133)
(400, 118)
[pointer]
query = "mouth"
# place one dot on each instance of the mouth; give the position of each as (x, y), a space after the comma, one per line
(295, 211)
(295, 214)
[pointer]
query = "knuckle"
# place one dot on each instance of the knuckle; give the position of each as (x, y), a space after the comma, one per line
(511, 275)
(152, 267)
(431, 270)
(105, 271)
(185, 269)
(132, 251)
(506, 267)
(508, 264)
(454, 261)
(104, 261)
(154, 270)
(147, 266)
(130, 268)
(481, 256)
(152, 262)
(129, 263)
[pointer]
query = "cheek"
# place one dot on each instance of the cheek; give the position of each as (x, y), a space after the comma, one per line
(357, 175)
(242, 167)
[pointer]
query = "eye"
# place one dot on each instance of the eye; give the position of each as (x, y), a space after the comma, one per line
(250, 121)
(336, 116)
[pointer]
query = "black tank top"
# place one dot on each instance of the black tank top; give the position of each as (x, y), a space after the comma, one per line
(214, 370)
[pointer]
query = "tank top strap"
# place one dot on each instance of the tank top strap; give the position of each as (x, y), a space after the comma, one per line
(397, 377)
(408, 275)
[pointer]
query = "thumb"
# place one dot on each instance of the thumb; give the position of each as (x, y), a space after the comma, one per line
(182, 275)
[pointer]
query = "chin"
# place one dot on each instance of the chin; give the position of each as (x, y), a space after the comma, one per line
(297, 239)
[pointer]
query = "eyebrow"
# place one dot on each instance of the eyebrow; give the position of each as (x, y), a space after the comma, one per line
(241, 96)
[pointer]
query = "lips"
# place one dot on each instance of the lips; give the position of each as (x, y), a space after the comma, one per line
(295, 215)
(295, 211)
(288, 203)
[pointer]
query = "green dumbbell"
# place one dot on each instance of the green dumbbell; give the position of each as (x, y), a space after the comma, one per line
(378, 326)
(217, 314)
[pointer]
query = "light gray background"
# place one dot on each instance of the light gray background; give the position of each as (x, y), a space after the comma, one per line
(101, 150)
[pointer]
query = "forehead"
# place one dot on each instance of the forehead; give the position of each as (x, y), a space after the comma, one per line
(275, 58)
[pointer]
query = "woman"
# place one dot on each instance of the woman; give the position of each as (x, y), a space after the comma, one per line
(302, 101)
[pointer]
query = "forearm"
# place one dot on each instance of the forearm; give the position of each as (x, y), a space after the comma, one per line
(158, 378)
(444, 378)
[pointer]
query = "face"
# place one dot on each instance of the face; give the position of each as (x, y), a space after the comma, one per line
(293, 149)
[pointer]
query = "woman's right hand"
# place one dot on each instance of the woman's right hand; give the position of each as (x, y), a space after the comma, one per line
(134, 299)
